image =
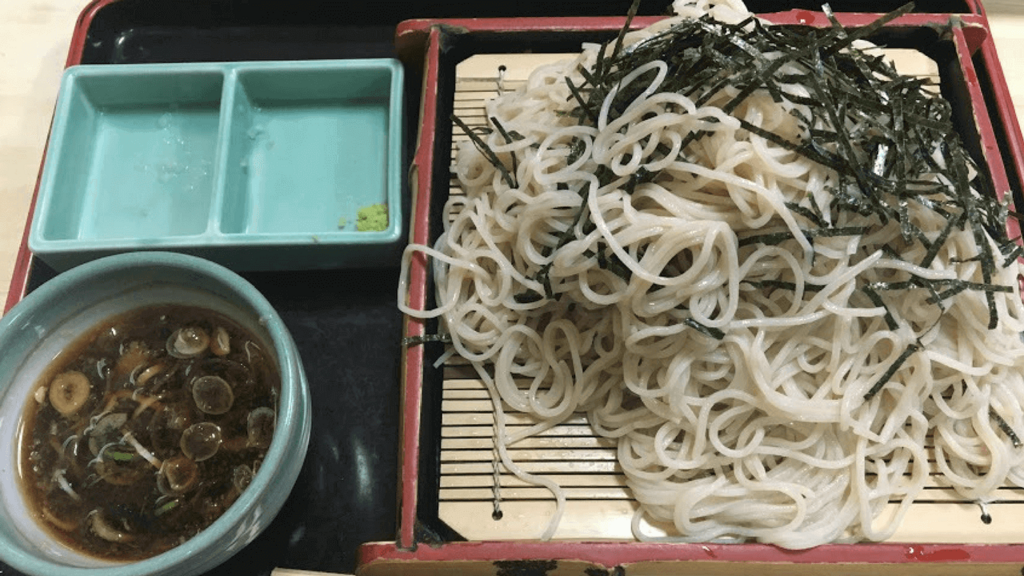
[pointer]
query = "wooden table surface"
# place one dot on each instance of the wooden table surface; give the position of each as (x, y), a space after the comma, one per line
(34, 38)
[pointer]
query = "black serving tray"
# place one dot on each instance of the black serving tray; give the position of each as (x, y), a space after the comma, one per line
(345, 322)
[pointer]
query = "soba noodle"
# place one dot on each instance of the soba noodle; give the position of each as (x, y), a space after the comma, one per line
(756, 389)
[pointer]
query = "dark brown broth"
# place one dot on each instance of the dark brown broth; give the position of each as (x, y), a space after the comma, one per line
(120, 483)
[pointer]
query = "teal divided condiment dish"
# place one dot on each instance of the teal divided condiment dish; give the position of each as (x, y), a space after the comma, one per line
(255, 165)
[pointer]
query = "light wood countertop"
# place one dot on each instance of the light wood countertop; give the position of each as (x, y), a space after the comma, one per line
(34, 39)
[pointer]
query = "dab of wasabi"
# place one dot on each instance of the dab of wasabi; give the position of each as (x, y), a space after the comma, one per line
(372, 218)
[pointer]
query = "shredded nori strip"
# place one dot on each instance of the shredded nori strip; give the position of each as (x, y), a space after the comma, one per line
(810, 213)
(782, 284)
(865, 31)
(584, 105)
(633, 9)
(1005, 427)
(528, 297)
(508, 140)
(876, 299)
(779, 237)
(715, 333)
(486, 151)
(907, 353)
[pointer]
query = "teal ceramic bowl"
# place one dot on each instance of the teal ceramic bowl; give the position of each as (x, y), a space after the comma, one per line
(75, 301)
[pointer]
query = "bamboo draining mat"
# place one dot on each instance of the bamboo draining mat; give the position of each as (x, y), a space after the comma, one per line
(473, 483)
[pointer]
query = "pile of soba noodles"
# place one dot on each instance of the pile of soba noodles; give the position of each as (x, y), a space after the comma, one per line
(757, 257)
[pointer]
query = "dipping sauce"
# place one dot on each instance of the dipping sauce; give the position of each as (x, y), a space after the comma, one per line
(146, 429)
